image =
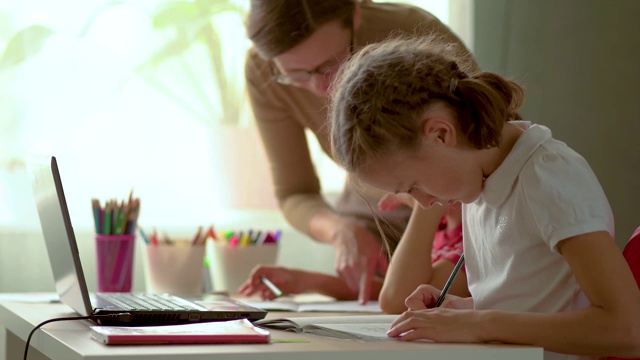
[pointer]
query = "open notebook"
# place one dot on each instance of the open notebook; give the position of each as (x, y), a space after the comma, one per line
(356, 327)
(124, 309)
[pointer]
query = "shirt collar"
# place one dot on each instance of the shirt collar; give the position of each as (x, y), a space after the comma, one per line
(498, 185)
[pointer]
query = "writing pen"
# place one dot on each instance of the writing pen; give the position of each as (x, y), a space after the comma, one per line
(274, 289)
(450, 280)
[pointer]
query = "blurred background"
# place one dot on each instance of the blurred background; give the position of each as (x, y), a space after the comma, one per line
(149, 95)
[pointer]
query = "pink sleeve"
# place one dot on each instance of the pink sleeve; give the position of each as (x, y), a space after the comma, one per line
(447, 245)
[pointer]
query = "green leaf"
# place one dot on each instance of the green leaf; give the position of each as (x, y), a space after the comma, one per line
(96, 13)
(25, 44)
(171, 49)
(186, 14)
(175, 13)
(188, 19)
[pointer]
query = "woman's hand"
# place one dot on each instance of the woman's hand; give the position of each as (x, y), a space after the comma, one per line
(287, 280)
(358, 257)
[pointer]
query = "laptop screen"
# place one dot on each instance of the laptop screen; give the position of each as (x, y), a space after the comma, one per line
(58, 235)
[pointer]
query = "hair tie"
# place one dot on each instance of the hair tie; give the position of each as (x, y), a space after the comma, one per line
(453, 84)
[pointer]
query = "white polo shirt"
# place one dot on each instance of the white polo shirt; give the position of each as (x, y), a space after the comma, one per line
(543, 193)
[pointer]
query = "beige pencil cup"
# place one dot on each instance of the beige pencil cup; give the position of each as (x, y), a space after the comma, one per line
(231, 265)
(174, 268)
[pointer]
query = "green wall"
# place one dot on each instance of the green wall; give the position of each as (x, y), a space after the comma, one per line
(579, 61)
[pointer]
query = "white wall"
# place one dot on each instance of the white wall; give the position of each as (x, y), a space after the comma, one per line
(579, 61)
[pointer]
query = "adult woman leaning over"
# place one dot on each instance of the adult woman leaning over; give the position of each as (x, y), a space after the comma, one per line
(297, 48)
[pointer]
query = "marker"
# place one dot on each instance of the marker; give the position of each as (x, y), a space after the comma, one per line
(234, 240)
(144, 236)
(274, 289)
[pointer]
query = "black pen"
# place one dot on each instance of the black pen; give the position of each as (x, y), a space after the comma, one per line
(274, 289)
(452, 277)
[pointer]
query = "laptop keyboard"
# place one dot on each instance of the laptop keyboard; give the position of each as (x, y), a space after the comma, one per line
(128, 301)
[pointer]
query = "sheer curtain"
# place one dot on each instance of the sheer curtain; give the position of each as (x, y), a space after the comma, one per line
(80, 95)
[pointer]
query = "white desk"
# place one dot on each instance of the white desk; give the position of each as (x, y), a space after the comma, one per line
(70, 340)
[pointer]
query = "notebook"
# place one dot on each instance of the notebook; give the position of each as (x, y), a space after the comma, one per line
(219, 332)
(71, 284)
(354, 327)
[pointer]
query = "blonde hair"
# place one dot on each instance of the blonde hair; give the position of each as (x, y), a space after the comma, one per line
(381, 93)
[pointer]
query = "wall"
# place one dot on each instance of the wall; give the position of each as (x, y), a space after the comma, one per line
(579, 61)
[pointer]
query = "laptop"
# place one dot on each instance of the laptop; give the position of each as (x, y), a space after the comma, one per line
(121, 309)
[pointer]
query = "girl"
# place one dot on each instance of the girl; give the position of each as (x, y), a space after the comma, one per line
(542, 266)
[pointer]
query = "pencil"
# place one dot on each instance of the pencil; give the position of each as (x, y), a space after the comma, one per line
(106, 225)
(196, 238)
(450, 280)
(95, 204)
(274, 289)
(144, 236)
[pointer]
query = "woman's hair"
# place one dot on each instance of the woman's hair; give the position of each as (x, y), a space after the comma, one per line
(381, 94)
(276, 26)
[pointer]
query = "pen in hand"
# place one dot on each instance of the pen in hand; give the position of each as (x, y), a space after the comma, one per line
(274, 289)
(452, 277)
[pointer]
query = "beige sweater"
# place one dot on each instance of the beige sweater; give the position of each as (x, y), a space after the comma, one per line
(284, 112)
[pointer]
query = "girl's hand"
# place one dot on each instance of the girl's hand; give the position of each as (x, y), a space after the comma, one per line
(426, 296)
(287, 280)
(439, 325)
(358, 257)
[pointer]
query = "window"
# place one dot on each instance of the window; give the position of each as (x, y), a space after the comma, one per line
(96, 96)
(93, 89)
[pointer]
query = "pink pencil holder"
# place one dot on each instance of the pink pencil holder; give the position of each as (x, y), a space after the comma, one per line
(114, 262)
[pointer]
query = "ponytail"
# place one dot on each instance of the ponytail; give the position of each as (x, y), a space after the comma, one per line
(487, 101)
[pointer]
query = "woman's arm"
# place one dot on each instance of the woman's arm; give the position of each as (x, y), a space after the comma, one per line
(282, 134)
(296, 281)
(358, 254)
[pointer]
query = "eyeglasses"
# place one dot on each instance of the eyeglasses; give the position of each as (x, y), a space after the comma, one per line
(329, 67)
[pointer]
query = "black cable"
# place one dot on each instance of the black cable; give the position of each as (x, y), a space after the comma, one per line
(125, 317)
